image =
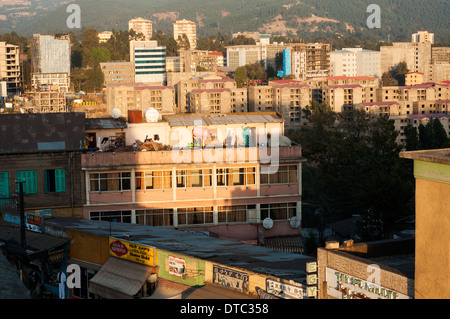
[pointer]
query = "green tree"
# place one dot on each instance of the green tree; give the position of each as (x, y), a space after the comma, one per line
(240, 76)
(100, 54)
(412, 138)
(353, 166)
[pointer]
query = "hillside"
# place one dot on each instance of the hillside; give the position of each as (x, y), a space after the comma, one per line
(303, 19)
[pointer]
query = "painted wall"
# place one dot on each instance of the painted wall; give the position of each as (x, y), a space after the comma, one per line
(181, 269)
(432, 230)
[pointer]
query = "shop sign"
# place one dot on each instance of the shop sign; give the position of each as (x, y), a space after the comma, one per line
(32, 222)
(132, 251)
(283, 290)
(177, 266)
(345, 286)
(231, 279)
(43, 212)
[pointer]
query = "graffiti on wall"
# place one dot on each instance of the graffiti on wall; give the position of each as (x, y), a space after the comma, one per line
(230, 279)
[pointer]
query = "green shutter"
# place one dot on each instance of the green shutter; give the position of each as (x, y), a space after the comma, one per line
(60, 180)
(4, 185)
(30, 185)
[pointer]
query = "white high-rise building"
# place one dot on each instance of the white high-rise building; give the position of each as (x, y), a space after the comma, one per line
(188, 28)
(141, 25)
(355, 62)
(149, 61)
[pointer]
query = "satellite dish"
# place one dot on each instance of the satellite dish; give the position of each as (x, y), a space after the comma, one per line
(268, 223)
(295, 222)
(151, 115)
(115, 113)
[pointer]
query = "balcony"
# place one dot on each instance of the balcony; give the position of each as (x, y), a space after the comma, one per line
(262, 155)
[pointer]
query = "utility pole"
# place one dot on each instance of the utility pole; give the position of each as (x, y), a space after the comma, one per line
(23, 239)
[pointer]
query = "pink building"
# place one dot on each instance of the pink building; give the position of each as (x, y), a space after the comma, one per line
(226, 192)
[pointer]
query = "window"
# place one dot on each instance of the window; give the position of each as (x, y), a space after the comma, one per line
(232, 214)
(154, 180)
(155, 217)
(4, 185)
(55, 180)
(194, 178)
(283, 211)
(286, 174)
(236, 176)
(195, 215)
(114, 216)
(30, 178)
(110, 182)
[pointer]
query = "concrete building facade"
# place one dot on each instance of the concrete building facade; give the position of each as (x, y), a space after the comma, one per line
(188, 28)
(432, 175)
(139, 96)
(149, 62)
(10, 71)
(117, 72)
(141, 25)
(51, 62)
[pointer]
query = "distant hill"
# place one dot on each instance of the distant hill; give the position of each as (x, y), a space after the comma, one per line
(300, 18)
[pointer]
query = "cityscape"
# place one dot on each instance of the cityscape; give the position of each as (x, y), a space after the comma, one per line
(160, 161)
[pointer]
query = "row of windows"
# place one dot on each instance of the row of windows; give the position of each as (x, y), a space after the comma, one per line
(197, 215)
(151, 61)
(152, 72)
(162, 179)
(150, 67)
(54, 182)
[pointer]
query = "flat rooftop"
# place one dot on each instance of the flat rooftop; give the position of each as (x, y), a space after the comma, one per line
(290, 266)
(439, 156)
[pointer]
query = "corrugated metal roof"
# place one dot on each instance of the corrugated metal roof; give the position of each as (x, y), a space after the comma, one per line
(119, 279)
(222, 119)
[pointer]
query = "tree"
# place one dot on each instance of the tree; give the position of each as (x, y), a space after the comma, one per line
(412, 138)
(100, 54)
(256, 71)
(240, 75)
(353, 166)
(440, 138)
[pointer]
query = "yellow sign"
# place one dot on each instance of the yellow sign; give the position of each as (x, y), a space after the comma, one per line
(132, 251)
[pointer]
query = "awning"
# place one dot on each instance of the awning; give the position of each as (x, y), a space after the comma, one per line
(119, 279)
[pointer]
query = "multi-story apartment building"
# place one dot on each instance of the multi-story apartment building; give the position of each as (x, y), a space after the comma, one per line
(186, 87)
(141, 25)
(188, 28)
(173, 64)
(104, 36)
(440, 64)
(355, 62)
(422, 37)
(261, 52)
(138, 96)
(10, 71)
(190, 60)
(413, 78)
(218, 100)
(228, 195)
(341, 97)
(149, 61)
(416, 55)
(287, 97)
(309, 60)
(117, 72)
(51, 62)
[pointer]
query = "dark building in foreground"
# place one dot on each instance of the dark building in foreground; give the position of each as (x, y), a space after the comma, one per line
(44, 151)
